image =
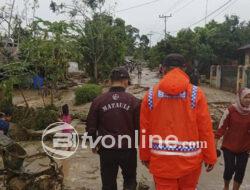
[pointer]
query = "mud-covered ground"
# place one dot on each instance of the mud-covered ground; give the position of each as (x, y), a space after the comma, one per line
(82, 170)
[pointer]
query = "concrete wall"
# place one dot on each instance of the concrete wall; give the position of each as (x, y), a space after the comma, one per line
(247, 58)
(215, 76)
(230, 78)
(229, 75)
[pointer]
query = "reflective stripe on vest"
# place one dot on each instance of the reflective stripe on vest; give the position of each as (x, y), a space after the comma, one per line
(169, 153)
(150, 98)
(176, 148)
(182, 95)
(194, 96)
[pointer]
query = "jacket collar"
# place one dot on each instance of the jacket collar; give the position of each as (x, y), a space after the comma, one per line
(117, 89)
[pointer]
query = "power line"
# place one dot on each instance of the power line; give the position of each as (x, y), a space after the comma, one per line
(138, 6)
(226, 8)
(210, 14)
(173, 7)
(184, 6)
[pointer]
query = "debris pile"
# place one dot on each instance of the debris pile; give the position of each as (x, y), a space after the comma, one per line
(217, 109)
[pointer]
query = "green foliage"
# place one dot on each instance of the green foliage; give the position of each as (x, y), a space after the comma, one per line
(6, 90)
(5, 105)
(132, 36)
(49, 50)
(216, 43)
(142, 52)
(36, 119)
(158, 53)
(87, 93)
(102, 40)
(155, 57)
(104, 44)
(93, 4)
(44, 117)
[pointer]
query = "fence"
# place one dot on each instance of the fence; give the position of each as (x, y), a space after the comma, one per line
(230, 77)
(215, 76)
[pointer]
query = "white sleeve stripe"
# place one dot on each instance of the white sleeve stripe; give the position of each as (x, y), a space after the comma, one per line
(226, 113)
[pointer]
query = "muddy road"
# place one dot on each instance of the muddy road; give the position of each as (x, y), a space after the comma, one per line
(82, 170)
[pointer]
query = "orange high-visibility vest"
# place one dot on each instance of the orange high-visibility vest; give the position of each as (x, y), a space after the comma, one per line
(176, 133)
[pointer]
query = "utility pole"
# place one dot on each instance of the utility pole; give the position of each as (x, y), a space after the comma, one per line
(165, 17)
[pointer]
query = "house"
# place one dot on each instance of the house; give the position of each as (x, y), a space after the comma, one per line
(246, 50)
(245, 70)
(232, 77)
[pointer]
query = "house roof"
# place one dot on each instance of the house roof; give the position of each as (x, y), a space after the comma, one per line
(245, 47)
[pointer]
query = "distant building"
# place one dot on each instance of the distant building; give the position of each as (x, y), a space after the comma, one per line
(73, 67)
(235, 76)
(246, 50)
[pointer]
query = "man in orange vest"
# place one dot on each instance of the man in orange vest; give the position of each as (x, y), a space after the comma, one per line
(176, 134)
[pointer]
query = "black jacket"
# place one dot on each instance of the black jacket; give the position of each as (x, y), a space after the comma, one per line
(114, 113)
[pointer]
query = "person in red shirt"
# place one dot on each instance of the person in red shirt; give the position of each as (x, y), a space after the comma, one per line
(174, 119)
(235, 128)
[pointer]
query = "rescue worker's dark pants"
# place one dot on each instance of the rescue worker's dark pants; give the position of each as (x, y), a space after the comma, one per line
(111, 160)
(235, 164)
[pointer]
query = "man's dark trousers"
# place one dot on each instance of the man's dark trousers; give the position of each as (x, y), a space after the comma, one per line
(111, 160)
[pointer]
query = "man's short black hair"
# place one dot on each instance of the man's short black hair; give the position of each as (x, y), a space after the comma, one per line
(174, 60)
(119, 73)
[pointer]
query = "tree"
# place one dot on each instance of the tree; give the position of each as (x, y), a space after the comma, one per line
(48, 51)
(13, 27)
(143, 49)
(103, 40)
(12, 74)
(216, 43)
(90, 34)
(93, 4)
(104, 43)
(132, 37)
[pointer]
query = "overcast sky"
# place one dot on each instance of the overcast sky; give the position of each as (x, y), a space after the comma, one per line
(146, 18)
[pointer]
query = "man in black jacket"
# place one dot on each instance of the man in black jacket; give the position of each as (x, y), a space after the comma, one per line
(116, 114)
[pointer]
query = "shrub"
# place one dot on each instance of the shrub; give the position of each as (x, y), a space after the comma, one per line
(45, 117)
(36, 119)
(87, 93)
(4, 105)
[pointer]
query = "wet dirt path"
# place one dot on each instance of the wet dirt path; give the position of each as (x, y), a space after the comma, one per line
(82, 170)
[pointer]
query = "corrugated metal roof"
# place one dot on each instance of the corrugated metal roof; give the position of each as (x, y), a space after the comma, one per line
(245, 47)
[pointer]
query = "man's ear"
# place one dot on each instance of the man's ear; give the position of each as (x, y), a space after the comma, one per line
(165, 70)
(125, 83)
